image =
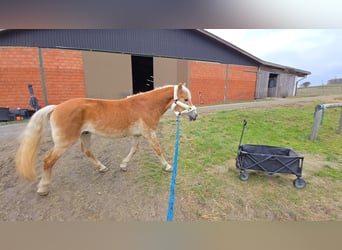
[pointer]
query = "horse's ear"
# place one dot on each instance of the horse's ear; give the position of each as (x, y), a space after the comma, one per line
(180, 88)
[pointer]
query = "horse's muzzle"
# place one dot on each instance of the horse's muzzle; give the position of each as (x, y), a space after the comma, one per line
(192, 115)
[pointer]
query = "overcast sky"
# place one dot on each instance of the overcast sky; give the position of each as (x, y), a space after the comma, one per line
(316, 50)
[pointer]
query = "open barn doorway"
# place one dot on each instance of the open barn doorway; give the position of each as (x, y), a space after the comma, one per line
(272, 85)
(142, 73)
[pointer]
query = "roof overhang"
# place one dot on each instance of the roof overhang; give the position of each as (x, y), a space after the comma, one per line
(286, 69)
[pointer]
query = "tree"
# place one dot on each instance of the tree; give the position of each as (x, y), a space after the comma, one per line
(305, 84)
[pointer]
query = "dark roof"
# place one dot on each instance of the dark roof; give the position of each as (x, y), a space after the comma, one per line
(288, 69)
(192, 44)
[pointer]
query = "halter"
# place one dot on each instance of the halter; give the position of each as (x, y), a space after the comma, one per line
(187, 108)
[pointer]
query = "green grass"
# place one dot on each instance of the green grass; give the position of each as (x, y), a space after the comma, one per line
(333, 89)
(329, 172)
(154, 179)
(208, 178)
(215, 137)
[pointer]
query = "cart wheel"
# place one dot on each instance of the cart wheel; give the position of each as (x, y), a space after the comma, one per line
(244, 176)
(299, 182)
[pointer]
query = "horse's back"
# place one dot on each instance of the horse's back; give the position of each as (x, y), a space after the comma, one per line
(86, 107)
(105, 117)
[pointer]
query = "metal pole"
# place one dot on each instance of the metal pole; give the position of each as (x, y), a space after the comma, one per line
(318, 118)
(317, 122)
(243, 130)
(225, 98)
(340, 126)
(41, 66)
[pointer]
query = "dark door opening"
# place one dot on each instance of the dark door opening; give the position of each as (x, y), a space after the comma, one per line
(272, 85)
(142, 73)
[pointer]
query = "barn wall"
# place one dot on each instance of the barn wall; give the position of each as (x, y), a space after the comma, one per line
(241, 83)
(72, 73)
(18, 67)
(262, 84)
(107, 75)
(207, 82)
(213, 83)
(183, 71)
(170, 71)
(64, 76)
(286, 85)
(165, 71)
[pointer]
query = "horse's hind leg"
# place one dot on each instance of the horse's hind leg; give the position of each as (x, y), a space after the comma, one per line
(134, 148)
(86, 149)
(49, 160)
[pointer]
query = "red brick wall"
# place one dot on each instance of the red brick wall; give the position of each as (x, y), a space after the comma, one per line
(241, 83)
(209, 79)
(64, 76)
(207, 82)
(18, 67)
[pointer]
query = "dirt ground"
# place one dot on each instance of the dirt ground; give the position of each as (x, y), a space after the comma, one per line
(78, 192)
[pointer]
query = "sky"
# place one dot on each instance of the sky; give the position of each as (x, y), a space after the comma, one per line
(316, 50)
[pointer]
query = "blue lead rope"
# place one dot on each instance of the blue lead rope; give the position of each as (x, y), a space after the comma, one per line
(174, 174)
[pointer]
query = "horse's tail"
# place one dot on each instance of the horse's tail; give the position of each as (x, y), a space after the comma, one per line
(30, 141)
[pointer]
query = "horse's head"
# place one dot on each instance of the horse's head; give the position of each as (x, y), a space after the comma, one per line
(182, 102)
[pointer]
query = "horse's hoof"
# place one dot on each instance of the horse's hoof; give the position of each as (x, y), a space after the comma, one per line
(168, 168)
(123, 167)
(103, 170)
(43, 193)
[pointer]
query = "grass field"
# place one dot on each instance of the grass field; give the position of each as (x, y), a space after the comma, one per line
(333, 89)
(208, 181)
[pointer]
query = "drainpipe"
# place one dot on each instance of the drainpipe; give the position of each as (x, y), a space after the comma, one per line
(41, 66)
(225, 98)
(295, 90)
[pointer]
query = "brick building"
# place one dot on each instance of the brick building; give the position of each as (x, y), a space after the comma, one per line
(63, 72)
(62, 64)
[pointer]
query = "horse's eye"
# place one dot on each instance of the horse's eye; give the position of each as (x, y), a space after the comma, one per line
(186, 99)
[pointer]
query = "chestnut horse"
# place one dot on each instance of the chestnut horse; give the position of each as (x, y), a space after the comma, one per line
(136, 116)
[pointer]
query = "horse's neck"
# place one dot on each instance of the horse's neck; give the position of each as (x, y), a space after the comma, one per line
(160, 99)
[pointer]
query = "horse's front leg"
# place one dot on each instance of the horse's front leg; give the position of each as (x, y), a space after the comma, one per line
(152, 138)
(134, 149)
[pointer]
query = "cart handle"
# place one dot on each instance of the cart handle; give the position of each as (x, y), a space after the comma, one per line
(243, 130)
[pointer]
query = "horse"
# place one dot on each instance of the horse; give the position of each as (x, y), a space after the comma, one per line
(80, 118)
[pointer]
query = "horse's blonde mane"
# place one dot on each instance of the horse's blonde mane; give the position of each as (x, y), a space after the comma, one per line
(162, 87)
(140, 93)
